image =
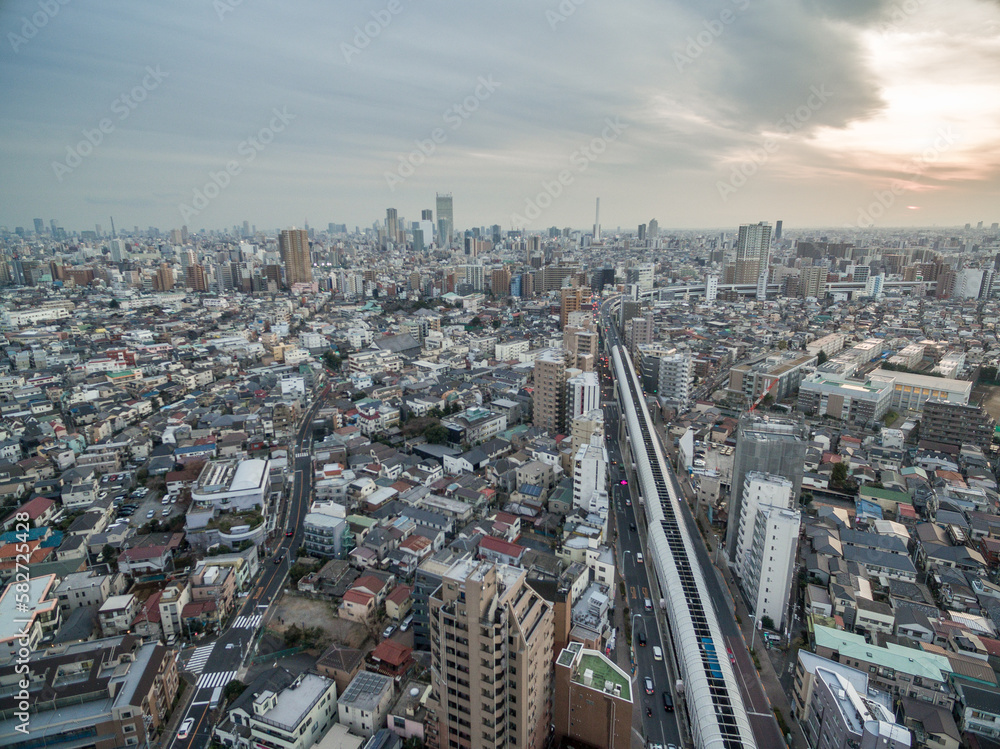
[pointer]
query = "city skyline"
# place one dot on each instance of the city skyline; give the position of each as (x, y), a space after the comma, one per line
(829, 114)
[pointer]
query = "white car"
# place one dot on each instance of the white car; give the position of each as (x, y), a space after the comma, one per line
(150, 514)
(185, 729)
(638, 557)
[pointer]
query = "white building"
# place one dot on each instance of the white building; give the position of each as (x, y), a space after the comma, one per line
(365, 703)
(583, 394)
(590, 487)
(233, 485)
(295, 717)
(711, 288)
(829, 344)
(759, 490)
(770, 562)
(676, 377)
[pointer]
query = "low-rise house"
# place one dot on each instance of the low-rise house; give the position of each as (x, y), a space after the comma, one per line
(365, 703)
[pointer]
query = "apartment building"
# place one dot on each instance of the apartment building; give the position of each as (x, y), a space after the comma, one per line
(957, 423)
(549, 397)
(842, 718)
(593, 699)
(491, 655)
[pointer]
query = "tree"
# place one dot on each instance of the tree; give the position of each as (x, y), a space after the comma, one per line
(107, 553)
(767, 622)
(476, 322)
(233, 690)
(495, 323)
(332, 361)
(821, 358)
(436, 434)
(839, 475)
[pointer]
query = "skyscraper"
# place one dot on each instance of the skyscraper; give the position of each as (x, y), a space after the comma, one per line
(491, 638)
(752, 252)
(777, 231)
(39, 226)
(391, 225)
(445, 220)
(294, 246)
(426, 215)
(550, 391)
(766, 444)
(653, 230)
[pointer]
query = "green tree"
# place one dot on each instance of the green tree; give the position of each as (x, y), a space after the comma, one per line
(767, 622)
(233, 690)
(821, 358)
(436, 434)
(476, 322)
(332, 361)
(496, 324)
(839, 475)
(107, 553)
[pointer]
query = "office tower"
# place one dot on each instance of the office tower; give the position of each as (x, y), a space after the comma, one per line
(586, 711)
(675, 378)
(642, 232)
(583, 395)
(653, 229)
(629, 308)
(861, 273)
(711, 288)
(549, 398)
(418, 241)
(602, 277)
(597, 222)
(491, 640)
(496, 234)
(752, 252)
(770, 445)
(119, 251)
(294, 247)
(391, 225)
(246, 228)
(572, 300)
(777, 231)
(426, 215)
(445, 219)
(39, 226)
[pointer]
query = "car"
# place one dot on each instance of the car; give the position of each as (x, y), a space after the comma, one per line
(657, 653)
(185, 730)
(628, 502)
(173, 500)
(387, 632)
(642, 640)
(648, 604)
(165, 511)
(289, 534)
(165, 501)
(406, 623)
(649, 685)
(120, 498)
(149, 515)
(279, 557)
(631, 526)
(638, 557)
(668, 702)
(732, 657)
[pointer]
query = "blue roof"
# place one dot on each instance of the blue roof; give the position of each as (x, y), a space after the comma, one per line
(531, 490)
(13, 537)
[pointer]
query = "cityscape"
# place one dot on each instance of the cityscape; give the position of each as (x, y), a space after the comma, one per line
(561, 375)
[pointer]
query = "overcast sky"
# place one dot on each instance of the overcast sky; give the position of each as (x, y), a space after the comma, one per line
(700, 114)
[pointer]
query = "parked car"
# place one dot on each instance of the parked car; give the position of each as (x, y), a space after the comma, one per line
(406, 623)
(149, 515)
(387, 632)
(165, 511)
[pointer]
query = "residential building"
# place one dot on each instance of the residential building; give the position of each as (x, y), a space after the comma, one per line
(858, 401)
(777, 376)
(27, 616)
(365, 703)
(956, 423)
(549, 397)
(593, 699)
(491, 645)
(770, 563)
(841, 718)
(753, 248)
(294, 248)
(675, 378)
(583, 395)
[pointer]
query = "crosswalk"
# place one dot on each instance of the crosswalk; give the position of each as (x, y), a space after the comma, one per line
(215, 679)
(302, 454)
(198, 658)
(251, 621)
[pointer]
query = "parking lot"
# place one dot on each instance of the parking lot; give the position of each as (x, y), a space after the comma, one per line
(121, 485)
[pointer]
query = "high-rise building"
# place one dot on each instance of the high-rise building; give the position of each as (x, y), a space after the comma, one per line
(549, 398)
(445, 219)
(641, 233)
(195, 277)
(588, 428)
(119, 251)
(491, 641)
(653, 230)
(676, 377)
(767, 444)
(813, 282)
(39, 226)
(571, 300)
(641, 275)
(590, 486)
(840, 716)
(475, 276)
(294, 246)
(426, 215)
(500, 282)
(164, 278)
(587, 712)
(956, 423)
(639, 331)
(602, 277)
(753, 250)
(583, 394)
(777, 230)
(391, 225)
(711, 288)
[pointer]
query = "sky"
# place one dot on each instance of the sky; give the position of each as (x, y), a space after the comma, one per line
(712, 113)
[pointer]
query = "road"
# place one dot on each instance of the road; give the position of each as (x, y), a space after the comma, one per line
(223, 658)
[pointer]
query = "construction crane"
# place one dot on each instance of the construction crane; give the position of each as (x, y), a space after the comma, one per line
(763, 395)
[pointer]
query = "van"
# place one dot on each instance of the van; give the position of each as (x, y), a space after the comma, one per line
(657, 653)
(648, 604)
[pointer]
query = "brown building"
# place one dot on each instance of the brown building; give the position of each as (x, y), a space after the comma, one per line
(593, 699)
(500, 282)
(549, 397)
(572, 300)
(491, 660)
(120, 692)
(294, 246)
(195, 277)
(163, 279)
(956, 424)
(341, 664)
